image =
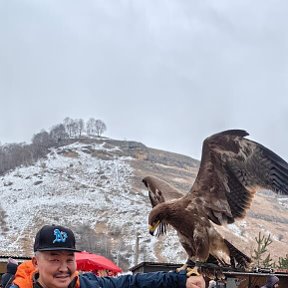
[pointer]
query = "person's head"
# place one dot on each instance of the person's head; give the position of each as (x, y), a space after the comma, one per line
(272, 281)
(12, 265)
(54, 257)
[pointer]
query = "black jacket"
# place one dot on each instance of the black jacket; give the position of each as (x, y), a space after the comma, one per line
(140, 280)
(8, 277)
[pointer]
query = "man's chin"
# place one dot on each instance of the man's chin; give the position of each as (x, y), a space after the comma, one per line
(62, 282)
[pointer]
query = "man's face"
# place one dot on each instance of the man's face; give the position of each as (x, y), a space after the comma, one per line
(276, 285)
(55, 268)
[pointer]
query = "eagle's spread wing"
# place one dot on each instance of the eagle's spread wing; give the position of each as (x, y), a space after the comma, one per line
(159, 192)
(232, 169)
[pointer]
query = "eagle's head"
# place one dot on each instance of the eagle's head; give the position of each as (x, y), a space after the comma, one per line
(144, 180)
(156, 220)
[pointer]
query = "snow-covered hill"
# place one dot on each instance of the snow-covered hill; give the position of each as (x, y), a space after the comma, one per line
(96, 186)
(73, 187)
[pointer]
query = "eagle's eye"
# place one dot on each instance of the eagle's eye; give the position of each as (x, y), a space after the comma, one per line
(156, 222)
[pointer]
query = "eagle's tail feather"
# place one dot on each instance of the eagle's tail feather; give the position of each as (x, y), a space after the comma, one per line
(238, 259)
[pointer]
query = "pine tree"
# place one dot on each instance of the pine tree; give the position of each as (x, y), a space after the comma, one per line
(260, 256)
(283, 262)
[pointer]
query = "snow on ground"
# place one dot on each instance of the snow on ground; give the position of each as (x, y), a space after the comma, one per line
(65, 189)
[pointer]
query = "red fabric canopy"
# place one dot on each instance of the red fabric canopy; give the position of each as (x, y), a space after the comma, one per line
(92, 262)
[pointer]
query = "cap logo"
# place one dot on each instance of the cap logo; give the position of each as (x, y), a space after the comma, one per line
(60, 236)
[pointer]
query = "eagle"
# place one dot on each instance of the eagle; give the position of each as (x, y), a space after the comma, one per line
(232, 169)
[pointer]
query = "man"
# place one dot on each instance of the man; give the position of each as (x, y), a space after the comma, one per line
(272, 282)
(54, 266)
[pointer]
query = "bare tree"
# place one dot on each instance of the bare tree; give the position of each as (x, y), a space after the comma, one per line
(74, 127)
(100, 127)
(13, 155)
(95, 127)
(41, 142)
(68, 124)
(58, 133)
(90, 127)
(42, 139)
(80, 126)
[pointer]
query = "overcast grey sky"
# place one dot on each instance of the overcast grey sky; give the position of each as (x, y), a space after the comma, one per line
(167, 73)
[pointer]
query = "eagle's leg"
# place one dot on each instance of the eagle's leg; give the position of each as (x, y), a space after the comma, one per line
(210, 270)
(195, 262)
(183, 267)
(189, 263)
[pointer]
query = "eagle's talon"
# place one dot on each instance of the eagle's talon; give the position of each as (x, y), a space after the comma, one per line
(192, 272)
(183, 267)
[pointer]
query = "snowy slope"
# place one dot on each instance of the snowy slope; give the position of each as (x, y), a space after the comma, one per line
(71, 187)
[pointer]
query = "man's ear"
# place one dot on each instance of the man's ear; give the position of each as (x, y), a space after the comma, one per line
(35, 261)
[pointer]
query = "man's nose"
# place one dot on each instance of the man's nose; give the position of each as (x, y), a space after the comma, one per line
(63, 266)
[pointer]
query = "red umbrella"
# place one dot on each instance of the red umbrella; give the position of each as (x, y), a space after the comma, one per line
(92, 262)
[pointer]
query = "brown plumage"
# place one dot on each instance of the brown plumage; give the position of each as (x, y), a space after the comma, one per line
(232, 169)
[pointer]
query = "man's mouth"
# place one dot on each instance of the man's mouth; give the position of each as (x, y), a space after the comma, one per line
(62, 276)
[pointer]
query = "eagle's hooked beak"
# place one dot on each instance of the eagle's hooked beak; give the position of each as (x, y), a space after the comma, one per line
(152, 228)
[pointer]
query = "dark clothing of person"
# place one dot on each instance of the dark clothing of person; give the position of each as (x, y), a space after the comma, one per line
(141, 280)
(8, 277)
(271, 281)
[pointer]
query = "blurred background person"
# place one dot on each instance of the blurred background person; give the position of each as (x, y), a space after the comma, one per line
(8, 277)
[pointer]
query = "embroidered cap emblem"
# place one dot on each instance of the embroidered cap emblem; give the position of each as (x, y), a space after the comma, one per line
(60, 236)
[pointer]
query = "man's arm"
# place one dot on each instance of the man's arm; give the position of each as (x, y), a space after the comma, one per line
(139, 280)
